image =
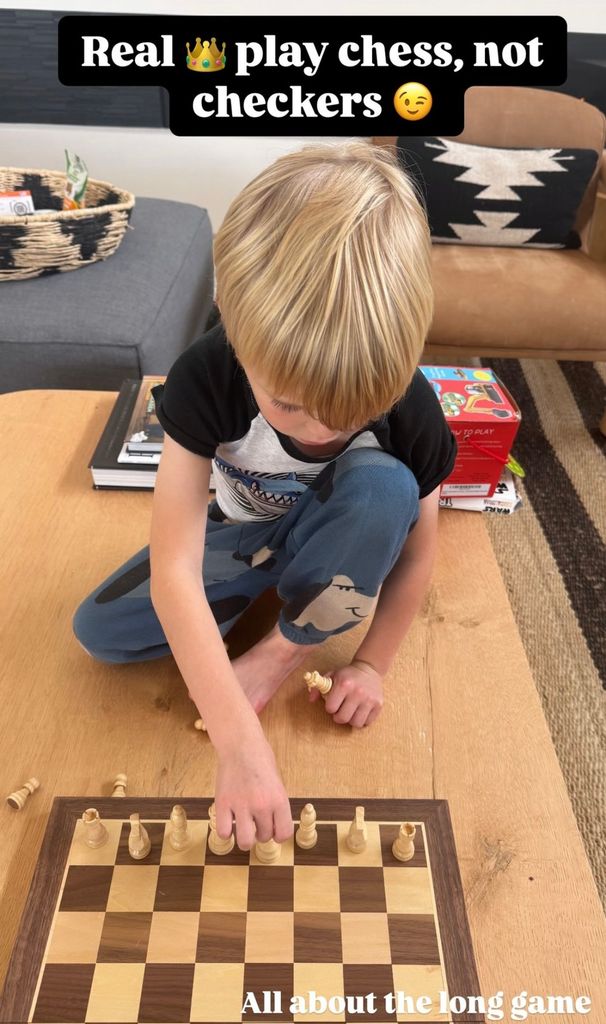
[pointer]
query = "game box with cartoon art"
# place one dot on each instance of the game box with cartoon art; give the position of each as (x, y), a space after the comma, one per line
(484, 419)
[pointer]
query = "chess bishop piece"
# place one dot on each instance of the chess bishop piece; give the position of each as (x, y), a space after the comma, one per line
(307, 835)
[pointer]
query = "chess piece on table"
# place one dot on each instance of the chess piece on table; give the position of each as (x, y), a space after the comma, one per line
(95, 832)
(178, 836)
(199, 725)
(18, 798)
(403, 847)
(139, 844)
(315, 681)
(307, 835)
(119, 785)
(220, 847)
(268, 852)
(357, 837)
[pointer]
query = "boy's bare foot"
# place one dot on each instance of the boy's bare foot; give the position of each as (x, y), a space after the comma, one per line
(262, 670)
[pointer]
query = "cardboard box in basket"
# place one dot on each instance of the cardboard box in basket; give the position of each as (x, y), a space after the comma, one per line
(484, 419)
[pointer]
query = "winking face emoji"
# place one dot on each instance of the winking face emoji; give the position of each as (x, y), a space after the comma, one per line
(413, 101)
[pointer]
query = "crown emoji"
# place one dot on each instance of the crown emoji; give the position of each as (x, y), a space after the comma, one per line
(205, 56)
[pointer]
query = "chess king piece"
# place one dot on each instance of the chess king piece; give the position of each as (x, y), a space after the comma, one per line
(179, 837)
(205, 57)
(138, 841)
(95, 832)
(403, 845)
(220, 847)
(268, 852)
(18, 798)
(307, 835)
(357, 838)
(119, 786)
(315, 681)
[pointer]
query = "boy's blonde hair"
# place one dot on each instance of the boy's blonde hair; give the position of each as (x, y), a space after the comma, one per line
(323, 271)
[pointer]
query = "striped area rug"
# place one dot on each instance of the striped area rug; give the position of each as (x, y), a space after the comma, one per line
(552, 555)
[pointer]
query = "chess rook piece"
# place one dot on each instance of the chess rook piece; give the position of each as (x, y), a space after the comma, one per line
(119, 786)
(307, 835)
(220, 847)
(95, 832)
(403, 847)
(18, 798)
(179, 835)
(199, 725)
(315, 681)
(138, 840)
(268, 852)
(357, 837)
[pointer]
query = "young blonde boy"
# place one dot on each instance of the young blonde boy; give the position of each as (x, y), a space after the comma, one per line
(327, 446)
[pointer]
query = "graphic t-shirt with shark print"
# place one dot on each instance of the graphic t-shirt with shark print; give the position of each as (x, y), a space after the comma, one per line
(208, 407)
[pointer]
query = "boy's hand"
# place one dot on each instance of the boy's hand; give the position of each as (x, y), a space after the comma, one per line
(249, 789)
(356, 697)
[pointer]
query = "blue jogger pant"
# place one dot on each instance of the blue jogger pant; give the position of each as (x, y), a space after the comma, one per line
(327, 557)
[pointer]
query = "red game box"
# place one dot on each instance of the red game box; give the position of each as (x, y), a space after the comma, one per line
(484, 419)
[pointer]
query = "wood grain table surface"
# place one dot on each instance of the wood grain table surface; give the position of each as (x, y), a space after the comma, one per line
(462, 719)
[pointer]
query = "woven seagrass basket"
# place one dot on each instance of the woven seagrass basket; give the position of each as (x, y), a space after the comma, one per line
(35, 245)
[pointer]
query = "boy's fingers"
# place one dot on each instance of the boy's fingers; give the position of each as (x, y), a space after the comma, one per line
(225, 821)
(361, 717)
(314, 695)
(264, 826)
(346, 711)
(374, 714)
(245, 830)
(334, 700)
(283, 823)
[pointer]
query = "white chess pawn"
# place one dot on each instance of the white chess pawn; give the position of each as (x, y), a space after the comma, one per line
(306, 835)
(95, 832)
(178, 836)
(220, 847)
(18, 798)
(119, 785)
(403, 847)
(139, 843)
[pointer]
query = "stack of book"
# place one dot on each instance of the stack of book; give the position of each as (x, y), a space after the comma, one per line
(130, 447)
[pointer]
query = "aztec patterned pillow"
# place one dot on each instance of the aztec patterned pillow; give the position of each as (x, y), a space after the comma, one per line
(477, 195)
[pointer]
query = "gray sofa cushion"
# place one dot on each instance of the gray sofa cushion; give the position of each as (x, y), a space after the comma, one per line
(126, 316)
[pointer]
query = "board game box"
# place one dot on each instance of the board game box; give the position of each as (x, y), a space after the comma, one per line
(187, 935)
(484, 419)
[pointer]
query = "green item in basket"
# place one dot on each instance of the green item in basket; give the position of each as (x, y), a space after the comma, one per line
(75, 185)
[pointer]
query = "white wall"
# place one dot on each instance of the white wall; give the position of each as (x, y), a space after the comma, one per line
(157, 163)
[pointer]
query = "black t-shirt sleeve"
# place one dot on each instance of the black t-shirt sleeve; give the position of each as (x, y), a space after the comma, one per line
(202, 402)
(421, 437)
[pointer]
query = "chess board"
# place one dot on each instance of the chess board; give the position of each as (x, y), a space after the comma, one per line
(190, 936)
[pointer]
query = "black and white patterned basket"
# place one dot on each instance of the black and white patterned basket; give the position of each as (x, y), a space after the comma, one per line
(38, 244)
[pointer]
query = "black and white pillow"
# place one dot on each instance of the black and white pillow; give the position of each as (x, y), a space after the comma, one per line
(479, 195)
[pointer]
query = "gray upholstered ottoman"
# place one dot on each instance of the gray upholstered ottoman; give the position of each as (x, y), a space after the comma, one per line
(129, 315)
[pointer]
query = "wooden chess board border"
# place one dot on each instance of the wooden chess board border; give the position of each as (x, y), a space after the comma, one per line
(26, 960)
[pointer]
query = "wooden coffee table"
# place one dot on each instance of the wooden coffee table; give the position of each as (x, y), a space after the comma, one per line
(462, 720)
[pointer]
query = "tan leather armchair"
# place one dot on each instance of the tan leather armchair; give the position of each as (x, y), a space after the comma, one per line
(522, 303)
